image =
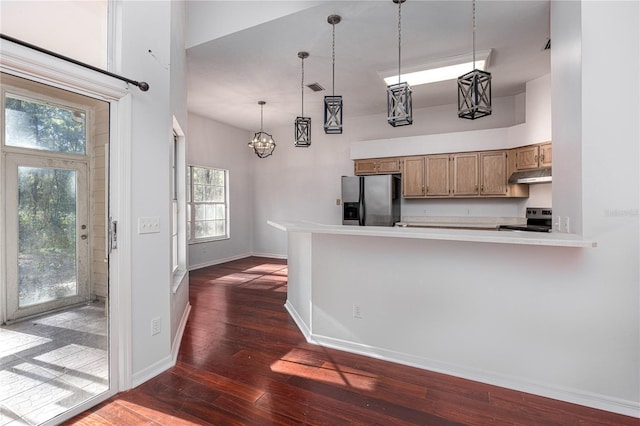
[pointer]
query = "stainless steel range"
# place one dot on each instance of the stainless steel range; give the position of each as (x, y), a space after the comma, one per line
(539, 219)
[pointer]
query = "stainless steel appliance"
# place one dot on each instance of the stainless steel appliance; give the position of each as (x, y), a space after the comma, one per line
(532, 176)
(371, 200)
(538, 220)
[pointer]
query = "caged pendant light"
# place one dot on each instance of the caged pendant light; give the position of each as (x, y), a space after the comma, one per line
(333, 103)
(474, 88)
(262, 142)
(303, 124)
(399, 105)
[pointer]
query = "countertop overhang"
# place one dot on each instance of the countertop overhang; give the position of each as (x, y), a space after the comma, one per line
(442, 234)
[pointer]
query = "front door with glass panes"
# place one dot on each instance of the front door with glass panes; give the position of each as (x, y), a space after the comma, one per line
(46, 204)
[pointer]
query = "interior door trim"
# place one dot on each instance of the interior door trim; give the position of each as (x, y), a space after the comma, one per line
(22, 62)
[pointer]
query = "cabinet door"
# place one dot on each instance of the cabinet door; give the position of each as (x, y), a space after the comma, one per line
(493, 173)
(527, 157)
(545, 155)
(437, 179)
(413, 177)
(388, 166)
(465, 174)
(364, 167)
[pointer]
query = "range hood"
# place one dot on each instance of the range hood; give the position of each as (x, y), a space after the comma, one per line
(531, 176)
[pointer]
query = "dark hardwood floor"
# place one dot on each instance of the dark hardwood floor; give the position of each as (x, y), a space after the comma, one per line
(243, 361)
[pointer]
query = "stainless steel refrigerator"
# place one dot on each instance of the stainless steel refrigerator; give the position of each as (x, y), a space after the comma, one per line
(371, 200)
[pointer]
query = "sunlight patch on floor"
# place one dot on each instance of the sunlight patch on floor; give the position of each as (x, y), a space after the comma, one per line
(327, 375)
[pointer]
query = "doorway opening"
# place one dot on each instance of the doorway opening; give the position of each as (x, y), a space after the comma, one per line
(54, 332)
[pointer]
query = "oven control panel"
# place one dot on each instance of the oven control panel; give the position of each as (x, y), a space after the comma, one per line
(539, 213)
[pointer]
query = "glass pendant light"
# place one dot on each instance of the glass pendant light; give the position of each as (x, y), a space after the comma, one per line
(474, 88)
(399, 104)
(262, 142)
(333, 103)
(303, 124)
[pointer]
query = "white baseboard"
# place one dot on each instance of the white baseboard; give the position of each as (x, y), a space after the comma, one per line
(299, 322)
(175, 347)
(167, 362)
(592, 400)
(219, 261)
(152, 371)
(236, 257)
(270, 255)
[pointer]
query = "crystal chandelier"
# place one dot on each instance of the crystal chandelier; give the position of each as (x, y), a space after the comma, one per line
(399, 105)
(262, 142)
(333, 103)
(474, 88)
(303, 124)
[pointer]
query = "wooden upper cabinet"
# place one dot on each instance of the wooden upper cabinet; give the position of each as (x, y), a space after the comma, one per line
(437, 175)
(493, 173)
(527, 157)
(389, 166)
(546, 159)
(533, 156)
(362, 167)
(377, 166)
(413, 177)
(464, 174)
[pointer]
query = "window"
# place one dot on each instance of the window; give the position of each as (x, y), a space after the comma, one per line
(34, 124)
(207, 204)
(174, 205)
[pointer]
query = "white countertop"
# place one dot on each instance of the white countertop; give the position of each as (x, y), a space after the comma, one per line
(459, 222)
(444, 234)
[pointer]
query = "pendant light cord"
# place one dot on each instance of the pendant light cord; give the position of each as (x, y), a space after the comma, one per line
(473, 2)
(302, 86)
(261, 109)
(333, 59)
(399, 38)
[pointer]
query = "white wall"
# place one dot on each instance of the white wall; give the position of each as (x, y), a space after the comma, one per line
(144, 26)
(212, 144)
(178, 101)
(67, 28)
(566, 103)
(213, 19)
(298, 183)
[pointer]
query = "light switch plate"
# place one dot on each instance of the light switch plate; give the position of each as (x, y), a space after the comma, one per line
(148, 225)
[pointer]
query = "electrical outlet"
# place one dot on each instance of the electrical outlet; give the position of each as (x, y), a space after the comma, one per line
(567, 229)
(148, 225)
(357, 311)
(559, 224)
(337, 201)
(155, 326)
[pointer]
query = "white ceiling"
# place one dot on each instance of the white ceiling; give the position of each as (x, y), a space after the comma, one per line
(229, 74)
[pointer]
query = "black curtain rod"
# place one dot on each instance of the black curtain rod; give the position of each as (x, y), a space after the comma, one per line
(141, 84)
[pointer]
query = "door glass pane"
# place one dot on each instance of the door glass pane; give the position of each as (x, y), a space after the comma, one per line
(36, 125)
(46, 235)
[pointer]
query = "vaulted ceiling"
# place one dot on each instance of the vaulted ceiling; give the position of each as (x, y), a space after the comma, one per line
(247, 56)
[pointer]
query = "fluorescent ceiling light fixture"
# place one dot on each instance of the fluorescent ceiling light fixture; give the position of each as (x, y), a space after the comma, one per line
(447, 69)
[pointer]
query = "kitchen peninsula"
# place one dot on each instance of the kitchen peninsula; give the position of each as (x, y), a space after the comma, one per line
(431, 298)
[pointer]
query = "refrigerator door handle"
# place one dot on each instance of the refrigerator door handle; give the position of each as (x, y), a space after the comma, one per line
(362, 208)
